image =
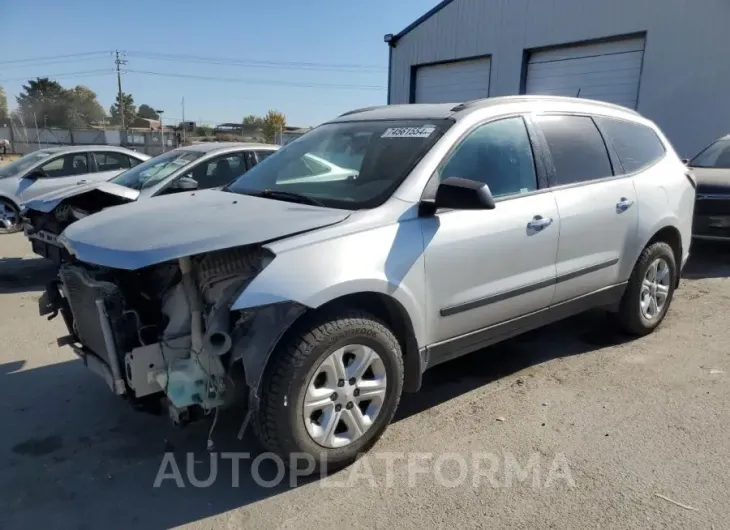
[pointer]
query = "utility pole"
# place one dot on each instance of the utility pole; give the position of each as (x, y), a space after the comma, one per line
(119, 62)
(183, 120)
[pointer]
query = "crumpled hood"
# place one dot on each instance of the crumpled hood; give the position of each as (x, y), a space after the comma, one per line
(48, 201)
(144, 233)
(711, 180)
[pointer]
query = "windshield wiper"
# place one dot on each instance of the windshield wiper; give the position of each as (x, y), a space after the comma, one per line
(285, 196)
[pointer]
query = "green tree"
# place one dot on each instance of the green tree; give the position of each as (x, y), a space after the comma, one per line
(203, 130)
(145, 111)
(83, 108)
(252, 120)
(43, 100)
(4, 115)
(130, 110)
(273, 125)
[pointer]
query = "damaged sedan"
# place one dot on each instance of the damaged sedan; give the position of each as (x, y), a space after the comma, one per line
(199, 166)
(320, 299)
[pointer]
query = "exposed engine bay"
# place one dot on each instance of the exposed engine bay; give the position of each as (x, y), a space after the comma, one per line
(161, 336)
(43, 228)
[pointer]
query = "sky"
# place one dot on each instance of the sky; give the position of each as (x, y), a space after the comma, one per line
(312, 60)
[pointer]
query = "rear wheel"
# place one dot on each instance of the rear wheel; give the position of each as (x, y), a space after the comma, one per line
(9, 217)
(331, 391)
(649, 291)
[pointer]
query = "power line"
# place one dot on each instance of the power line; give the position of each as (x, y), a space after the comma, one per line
(101, 71)
(257, 81)
(54, 57)
(59, 61)
(255, 63)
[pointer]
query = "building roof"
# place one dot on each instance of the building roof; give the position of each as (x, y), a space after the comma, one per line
(431, 12)
(207, 147)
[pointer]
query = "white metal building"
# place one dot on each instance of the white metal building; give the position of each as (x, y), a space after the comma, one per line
(668, 59)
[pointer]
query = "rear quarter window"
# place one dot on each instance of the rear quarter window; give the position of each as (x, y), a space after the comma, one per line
(636, 145)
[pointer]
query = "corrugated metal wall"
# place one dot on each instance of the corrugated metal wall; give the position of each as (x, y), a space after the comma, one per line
(685, 82)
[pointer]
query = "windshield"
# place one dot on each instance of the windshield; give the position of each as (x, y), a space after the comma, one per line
(24, 163)
(155, 170)
(717, 155)
(349, 165)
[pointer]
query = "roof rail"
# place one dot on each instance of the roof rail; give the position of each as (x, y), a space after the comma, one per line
(486, 102)
(358, 111)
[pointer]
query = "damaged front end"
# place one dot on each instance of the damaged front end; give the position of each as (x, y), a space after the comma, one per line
(164, 336)
(45, 218)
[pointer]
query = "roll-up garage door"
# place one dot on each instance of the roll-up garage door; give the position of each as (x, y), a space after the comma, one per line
(453, 82)
(608, 71)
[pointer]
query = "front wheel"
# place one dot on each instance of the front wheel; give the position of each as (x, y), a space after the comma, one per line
(649, 291)
(9, 218)
(331, 391)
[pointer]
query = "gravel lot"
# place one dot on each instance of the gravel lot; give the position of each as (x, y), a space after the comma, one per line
(641, 426)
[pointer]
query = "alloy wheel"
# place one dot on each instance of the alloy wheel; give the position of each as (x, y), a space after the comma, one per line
(344, 396)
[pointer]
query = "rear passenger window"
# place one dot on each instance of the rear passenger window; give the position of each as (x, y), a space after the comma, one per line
(577, 148)
(637, 146)
(109, 161)
(263, 155)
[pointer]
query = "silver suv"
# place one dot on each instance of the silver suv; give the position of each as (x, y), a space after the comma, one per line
(451, 227)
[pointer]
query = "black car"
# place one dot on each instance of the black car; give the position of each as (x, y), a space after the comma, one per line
(711, 169)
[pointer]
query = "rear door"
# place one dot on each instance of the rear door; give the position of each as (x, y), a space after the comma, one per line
(596, 204)
(62, 171)
(108, 164)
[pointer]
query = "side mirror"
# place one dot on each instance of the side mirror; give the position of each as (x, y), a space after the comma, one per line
(36, 174)
(185, 184)
(463, 194)
(685, 161)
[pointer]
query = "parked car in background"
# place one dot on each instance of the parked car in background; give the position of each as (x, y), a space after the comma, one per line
(200, 166)
(465, 225)
(54, 168)
(711, 169)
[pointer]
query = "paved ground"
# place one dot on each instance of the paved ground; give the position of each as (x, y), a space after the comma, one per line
(634, 420)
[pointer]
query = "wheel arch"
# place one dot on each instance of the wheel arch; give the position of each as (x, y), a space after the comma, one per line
(396, 317)
(670, 235)
(6, 198)
(13, 204)
(255, 349)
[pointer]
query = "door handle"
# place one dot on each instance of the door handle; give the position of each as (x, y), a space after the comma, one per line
(539, 222)
(623, 205)
(82, 181)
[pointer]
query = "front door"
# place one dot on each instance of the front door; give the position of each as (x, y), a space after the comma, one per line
(62, 171)
(489, 266)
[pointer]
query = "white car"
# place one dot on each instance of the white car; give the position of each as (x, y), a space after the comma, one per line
(47, 170)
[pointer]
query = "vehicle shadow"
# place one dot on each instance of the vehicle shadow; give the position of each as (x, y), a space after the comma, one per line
(581, 334)
(19, 275)
(79, 457)
(708, 260)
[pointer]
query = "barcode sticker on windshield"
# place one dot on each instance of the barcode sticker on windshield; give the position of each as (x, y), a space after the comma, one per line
(408, 132)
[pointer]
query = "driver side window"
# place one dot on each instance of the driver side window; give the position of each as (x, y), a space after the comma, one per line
(219, 171)
(66, 166)
(497, 153)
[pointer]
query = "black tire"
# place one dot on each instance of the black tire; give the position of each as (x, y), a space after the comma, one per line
(629, 316)
(279, 423)
(18, 226)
